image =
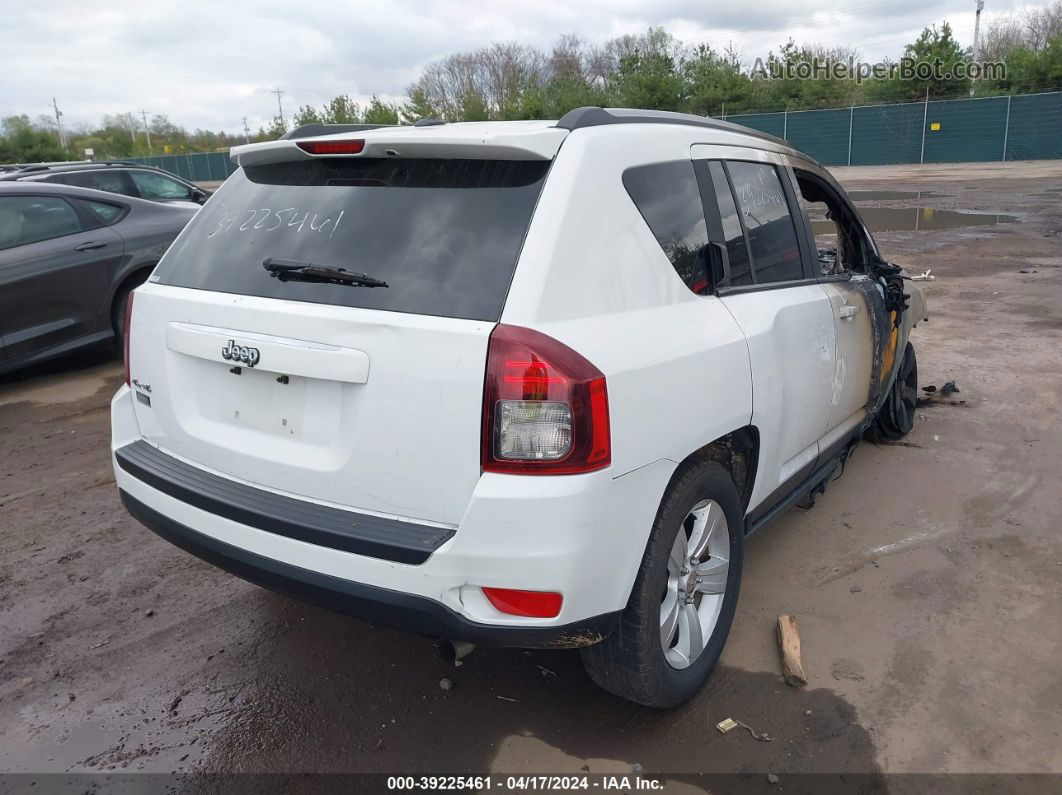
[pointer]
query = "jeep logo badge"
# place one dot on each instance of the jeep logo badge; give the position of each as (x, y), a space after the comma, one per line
(240, 353)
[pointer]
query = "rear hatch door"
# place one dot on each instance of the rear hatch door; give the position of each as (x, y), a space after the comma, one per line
(362, 397)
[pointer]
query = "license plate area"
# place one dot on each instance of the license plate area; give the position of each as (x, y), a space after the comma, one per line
(264, 401)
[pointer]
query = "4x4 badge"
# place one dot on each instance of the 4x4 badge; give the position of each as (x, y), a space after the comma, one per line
(240, 353)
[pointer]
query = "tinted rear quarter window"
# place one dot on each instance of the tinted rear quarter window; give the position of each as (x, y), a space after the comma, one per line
(667, 196)
(444, 234)
(106, 212)
(768, 221)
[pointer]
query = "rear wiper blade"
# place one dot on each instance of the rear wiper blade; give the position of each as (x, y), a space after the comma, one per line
(288, 270)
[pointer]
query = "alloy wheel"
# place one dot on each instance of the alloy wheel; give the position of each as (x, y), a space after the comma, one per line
(697, 571)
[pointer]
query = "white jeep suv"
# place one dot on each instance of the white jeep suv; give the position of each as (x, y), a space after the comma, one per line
(512, 383)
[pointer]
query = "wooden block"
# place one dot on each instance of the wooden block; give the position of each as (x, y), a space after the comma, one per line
(789, 646)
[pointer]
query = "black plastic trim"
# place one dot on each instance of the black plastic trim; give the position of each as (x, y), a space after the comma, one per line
(379, 606)
(362, 534)
(763, 286)
(591, 116)
(798, 486)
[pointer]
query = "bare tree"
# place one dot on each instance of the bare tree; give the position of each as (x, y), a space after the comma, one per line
(1043, 24)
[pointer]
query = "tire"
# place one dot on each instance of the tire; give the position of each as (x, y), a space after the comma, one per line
(121, 298)
(118, 313)
(895, 418)
(632, 662)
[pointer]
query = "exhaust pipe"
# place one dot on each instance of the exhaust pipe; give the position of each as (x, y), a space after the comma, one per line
(453, 651)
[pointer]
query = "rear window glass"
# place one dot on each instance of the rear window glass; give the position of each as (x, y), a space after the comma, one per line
(444, 234)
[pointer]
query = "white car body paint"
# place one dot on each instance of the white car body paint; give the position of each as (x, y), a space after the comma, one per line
(384, 411)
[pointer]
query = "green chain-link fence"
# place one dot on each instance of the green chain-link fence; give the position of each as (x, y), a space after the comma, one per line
(1025, 127)
(198, 167)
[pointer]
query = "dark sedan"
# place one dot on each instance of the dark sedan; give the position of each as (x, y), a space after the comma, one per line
(69, 257)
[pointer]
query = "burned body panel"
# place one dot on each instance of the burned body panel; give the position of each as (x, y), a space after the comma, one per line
(857, 278)
(898, 306)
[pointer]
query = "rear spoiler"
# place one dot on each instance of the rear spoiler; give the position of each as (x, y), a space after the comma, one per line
(450, 141)
(313, 130)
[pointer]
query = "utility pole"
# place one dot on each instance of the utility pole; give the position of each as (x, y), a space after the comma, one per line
(132, 126)
(280, 107)
(246, 132)
(977, 30)
(147, 132)
(59, 122)
(977, 36)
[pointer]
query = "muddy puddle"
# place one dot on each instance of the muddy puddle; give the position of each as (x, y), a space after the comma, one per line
(917, 219)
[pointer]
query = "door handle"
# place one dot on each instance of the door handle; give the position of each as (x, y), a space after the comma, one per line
(90, 246)
(847, 311)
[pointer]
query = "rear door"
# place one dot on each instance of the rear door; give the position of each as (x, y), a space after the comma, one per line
(56, 263)
(761, 277)
(365, 397)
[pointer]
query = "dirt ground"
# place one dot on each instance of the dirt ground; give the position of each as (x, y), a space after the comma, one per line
(926, 582)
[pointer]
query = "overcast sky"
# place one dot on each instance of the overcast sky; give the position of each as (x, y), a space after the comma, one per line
(207, 63)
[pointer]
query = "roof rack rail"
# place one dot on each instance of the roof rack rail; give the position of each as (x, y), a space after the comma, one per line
(310, 130)
(592, 116)
(426, 122)
(32, 169)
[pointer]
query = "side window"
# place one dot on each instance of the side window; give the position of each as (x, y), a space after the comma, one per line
(839, 237)
(106, 212)
(733, 235)
(667, 196)
(768, 222)
(110, 181)
(31, 219)
(159, 187)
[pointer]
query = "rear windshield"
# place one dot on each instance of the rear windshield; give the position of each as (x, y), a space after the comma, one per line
(444, 234)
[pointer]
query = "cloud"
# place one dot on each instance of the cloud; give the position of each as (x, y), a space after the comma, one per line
(207, 64)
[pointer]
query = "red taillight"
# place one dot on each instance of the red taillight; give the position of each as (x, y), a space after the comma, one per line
(534, 604)
(125, 331)
(545, 407)
(332, 147)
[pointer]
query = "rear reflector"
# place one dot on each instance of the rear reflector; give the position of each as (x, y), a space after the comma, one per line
(533, 604)
(332, 147)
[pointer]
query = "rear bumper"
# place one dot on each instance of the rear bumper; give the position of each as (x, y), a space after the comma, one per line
(580, 535)
(378, 606)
